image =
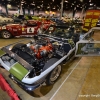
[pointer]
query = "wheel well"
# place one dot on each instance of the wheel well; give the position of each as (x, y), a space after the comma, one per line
(5, 30)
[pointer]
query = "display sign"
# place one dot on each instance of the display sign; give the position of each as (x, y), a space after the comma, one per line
(91, 19)
(30, 30)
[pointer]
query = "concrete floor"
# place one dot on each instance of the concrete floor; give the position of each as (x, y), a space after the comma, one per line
(79, 80)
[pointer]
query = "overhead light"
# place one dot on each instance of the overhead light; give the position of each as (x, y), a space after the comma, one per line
(32, 4)
(89, 0)
(22, 1)
(9, 6)
(54, 8)
(38, 6)
(66, 1)
(91, 4)
(41, 5)
(81, 0)
(77, 5)
(75, 8)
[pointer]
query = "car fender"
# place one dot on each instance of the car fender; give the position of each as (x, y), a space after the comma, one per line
(44, 73)
(49, 63)
(5, 30)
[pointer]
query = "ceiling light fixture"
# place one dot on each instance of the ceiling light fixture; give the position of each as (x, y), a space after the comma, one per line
(32, 4)
(38, 6)
(89, 0)
(81, 0)
(66, 1)
(91, 4)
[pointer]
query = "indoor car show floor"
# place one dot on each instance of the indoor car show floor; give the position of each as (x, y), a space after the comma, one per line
(79, 80)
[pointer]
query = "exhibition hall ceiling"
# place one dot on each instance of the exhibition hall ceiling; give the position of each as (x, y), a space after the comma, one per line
(52, 4)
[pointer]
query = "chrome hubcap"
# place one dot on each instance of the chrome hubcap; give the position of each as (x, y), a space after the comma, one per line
(55, 73)
(6, 34)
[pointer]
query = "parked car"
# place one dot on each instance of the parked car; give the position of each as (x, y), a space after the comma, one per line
(64, 31)
(18, 19)
(34, 62)
(27, 29)
(31, 62)
(4, 19)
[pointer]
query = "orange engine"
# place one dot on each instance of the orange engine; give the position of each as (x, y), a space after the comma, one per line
(41, 50)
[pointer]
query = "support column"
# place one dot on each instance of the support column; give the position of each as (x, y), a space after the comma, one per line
(0, 9)
(33, 11)
(61, 14)
(6, 9)
(29, 11)
(23, 11)
(74, 11)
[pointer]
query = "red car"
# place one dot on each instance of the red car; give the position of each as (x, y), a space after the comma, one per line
(46, 24)
(28, 28)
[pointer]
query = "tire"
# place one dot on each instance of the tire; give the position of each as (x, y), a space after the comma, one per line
(2, 67)
(5, 34)
(53, 75)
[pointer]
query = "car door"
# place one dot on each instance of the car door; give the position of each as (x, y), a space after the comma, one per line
(28, 30)
(31, 29)
(90, 44)
(87, 48)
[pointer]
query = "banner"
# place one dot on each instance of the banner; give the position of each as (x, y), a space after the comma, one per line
(91, 19)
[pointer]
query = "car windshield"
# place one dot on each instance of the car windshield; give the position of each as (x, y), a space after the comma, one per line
(59, 31)
(29, 17)
(21, 16)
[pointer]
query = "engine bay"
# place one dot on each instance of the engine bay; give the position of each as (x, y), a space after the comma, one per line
(36, 53)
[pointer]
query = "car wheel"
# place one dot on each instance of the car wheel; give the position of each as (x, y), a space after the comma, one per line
(6, 34)
(53, 75)
(2, 67)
